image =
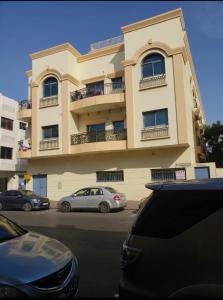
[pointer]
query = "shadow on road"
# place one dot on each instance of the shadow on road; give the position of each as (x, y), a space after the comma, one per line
(98, 254)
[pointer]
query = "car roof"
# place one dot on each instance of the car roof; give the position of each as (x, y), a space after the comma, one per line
(187, 185)
(95, 187)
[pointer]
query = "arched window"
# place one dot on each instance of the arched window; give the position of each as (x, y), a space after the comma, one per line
(50, 87)
(153, 65)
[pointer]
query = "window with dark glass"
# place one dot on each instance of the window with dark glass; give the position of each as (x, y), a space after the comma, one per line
(50, 132)
(96, 133)
(50, 87)
(169, 213)
(168, 174)
(116, 83)
(95, 89)
(6, 123)
(155, 118)
(83, 192)
(22, 125)
(96, 127)
(6, 153)
(9, 230)
(118, 125)
(109, 176)
(153, 65)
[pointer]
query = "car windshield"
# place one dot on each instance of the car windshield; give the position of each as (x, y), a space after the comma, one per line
(28, 193)
(9, 230)
(111, 190)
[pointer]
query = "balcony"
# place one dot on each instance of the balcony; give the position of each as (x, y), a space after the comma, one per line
(154, 133)
(101, 141)
(50, 144)
(87, 100)
(24, 149)
(25, 113)
(48, 101)
(24, 154)
(152, 82)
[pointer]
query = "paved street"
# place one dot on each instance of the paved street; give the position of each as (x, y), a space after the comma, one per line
(96, 239)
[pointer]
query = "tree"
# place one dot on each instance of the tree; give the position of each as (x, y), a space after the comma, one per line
(214, 143)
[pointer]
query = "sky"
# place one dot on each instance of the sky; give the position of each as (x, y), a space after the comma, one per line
(30, 26)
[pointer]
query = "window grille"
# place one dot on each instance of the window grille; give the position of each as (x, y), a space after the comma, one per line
(168, 174)
(110, 176)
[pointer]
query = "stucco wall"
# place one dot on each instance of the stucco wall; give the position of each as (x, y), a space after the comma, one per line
(79, 171)
(101, 66)
(219, 172)
(154, 99)
(169, 32)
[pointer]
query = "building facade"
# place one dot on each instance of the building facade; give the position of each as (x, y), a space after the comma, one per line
(126, 113)
(11, 132)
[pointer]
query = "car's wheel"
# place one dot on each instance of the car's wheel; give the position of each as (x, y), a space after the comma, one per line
(104, 207)
(65, 207)
(27, 206)
(0, 206)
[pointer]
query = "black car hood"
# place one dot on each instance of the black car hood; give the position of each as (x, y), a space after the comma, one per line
(43, 199)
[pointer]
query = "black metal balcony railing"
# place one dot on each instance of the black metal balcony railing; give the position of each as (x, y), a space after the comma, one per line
(106, 89)
(99, 136)
(25, 104)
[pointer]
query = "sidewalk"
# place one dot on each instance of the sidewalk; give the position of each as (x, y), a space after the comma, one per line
(131, 205)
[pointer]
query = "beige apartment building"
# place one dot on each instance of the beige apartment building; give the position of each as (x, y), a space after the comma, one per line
(126, 113)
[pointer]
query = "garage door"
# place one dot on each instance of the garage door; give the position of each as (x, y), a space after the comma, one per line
(40, 184)
(202, 173)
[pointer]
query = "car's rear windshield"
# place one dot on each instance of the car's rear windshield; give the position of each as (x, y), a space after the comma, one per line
(9, 230)
(111, 190)
(169, 213)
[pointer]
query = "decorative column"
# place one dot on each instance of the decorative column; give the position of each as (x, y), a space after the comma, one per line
(178, 65)
(35, 107)
(65, 107)
(129, 105)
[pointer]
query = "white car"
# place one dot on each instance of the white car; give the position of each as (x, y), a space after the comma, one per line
(102, 198)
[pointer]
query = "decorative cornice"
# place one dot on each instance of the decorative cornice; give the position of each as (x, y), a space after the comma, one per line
(34, 84)
(155, 46)
(71, 79)
(57, 74)
(56, 49)
(155, 20)
(29, 73)
(115, 74)
(101, 52)
(93, 79)
(48, 72)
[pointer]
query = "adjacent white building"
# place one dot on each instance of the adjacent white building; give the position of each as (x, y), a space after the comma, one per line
(11, 132)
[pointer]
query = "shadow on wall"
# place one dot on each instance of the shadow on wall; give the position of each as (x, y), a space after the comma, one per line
(117, 61)
(88, 164)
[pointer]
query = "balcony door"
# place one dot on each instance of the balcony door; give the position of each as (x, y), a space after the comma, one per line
(95, 89)
(96, 133)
